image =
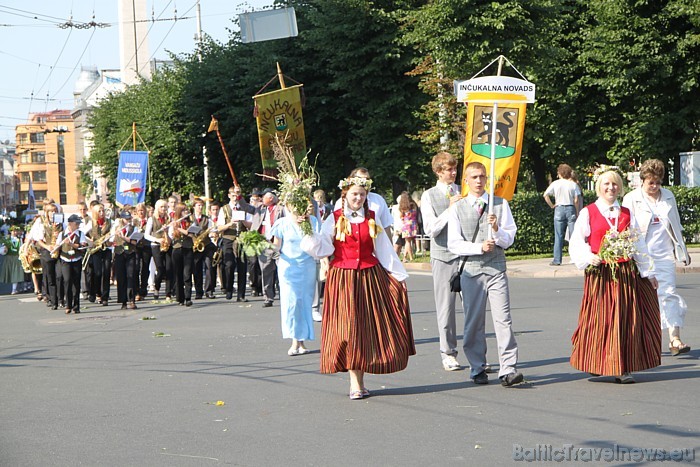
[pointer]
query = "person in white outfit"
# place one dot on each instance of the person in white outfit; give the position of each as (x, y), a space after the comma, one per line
(657, 215)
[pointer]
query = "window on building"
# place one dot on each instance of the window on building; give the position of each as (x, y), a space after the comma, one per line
(24, 158)
(39, 194)
(39, 156)
(36, 137)
(39, 176)
(24, 177)
(22, 138)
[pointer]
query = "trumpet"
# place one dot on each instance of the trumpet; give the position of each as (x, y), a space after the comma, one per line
(218, 256)
(198, 242)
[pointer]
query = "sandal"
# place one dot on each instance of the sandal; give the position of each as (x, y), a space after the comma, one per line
(365, 392)
(356, 395)
(679, 349)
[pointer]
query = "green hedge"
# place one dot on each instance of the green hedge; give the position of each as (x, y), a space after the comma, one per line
(536, 231)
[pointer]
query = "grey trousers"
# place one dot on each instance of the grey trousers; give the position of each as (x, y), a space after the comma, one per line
(476, 290)
(445, 301)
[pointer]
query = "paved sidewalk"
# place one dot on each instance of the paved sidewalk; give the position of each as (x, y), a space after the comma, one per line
(540, 268)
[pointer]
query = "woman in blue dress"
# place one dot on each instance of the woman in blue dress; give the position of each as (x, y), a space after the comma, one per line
(296, 271)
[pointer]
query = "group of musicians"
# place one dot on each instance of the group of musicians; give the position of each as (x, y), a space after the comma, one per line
(86, 251)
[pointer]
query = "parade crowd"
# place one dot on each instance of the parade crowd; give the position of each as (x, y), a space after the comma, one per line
(346, 272)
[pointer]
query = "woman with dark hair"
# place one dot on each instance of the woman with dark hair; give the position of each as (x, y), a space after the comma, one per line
(618, 328)
(656, 212)
(366, 316)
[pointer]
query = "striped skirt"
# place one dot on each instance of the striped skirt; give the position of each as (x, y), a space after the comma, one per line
(366, 322)
(619, 325)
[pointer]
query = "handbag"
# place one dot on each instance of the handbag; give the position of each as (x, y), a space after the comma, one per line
(456, 278)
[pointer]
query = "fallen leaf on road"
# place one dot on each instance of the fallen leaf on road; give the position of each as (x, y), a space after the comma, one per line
(160, 334)
(147, 318)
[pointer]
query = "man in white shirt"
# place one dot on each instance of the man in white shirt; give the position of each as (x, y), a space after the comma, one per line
(565, 207)
(480, 239)
(435, 203)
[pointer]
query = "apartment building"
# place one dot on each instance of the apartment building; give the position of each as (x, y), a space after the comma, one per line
(46, 155)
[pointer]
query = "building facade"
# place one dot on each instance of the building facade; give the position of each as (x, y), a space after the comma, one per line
(46, 157)
(8, 183)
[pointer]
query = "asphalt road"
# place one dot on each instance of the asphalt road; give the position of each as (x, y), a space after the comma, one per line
(98, 389)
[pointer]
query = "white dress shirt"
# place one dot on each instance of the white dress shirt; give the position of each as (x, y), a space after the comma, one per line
(457, 242)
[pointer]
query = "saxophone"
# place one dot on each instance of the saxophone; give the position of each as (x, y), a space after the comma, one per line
(198, 242)
(54, 237)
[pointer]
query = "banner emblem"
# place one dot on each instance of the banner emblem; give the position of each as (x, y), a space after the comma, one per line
(131, 177)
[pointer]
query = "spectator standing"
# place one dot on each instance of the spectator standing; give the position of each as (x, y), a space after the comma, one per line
(565, 205)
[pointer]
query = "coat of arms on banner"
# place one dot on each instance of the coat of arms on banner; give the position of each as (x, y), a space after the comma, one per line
(281, 122)
(506, 131)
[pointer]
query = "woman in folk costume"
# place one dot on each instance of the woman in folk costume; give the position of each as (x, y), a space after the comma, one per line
(618, 329)
(99, 231)
(183, 257)
(366, 316)
(11, 271)
(656, 212)
(125, 259)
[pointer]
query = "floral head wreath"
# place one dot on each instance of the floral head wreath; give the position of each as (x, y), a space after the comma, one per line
(342, 226)
(602, 168)
(365, 183)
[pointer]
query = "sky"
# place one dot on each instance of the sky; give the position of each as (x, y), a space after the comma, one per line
(40, 61)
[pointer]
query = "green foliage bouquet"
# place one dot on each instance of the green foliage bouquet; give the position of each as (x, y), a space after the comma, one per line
(296, 182)
(253, 243)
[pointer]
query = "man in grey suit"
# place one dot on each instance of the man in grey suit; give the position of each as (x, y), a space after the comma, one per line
(480, 239)
(434, 205)
(263, 220)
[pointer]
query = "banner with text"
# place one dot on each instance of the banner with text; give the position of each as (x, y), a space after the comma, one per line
(279, 113)
(131, 177)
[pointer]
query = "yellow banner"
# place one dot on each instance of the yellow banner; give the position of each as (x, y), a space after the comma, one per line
(279, 113)
(510, 126)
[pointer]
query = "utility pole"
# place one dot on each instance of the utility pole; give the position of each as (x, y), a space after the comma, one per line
(204, 147)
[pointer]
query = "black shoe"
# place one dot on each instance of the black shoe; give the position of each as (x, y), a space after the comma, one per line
(76, 311)
(62, 304)
(197, 297)
(481, 378)
(104, 303)
(554, 264)
(181, 303)
(241, 299)
(91, 299)
(267, 303)
(54, 307)
(188, 303)
(511, 379)
(211, 295)
(123, 306)
(155, 296)
(229, 296)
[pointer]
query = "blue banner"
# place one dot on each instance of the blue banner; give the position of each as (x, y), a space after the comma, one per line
(131, 177)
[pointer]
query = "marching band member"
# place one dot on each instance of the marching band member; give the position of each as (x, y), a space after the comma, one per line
(125, 269)
(157, 233)
(199, 219)
(182, 254)
(169, 271)
(83, 212)
(98, 233)
(235, 219)
(44, 233)
(143, 253)
(210, 268)
(71, 244)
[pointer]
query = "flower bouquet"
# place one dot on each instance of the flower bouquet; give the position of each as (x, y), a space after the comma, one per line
(296, 182)
(617, 246)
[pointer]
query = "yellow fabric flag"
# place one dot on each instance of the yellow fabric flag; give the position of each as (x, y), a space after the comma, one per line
(510, 126)
(279, 113)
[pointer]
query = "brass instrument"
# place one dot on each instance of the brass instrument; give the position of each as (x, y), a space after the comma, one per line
(218, 256)
(54, 237)
(98, 245)
(165, 245)
(198, 242)
(30, 258)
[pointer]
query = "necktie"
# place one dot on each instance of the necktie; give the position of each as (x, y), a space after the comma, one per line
(479, 206)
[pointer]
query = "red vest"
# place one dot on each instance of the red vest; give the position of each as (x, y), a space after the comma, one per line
(599, 225)
(357, 251)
